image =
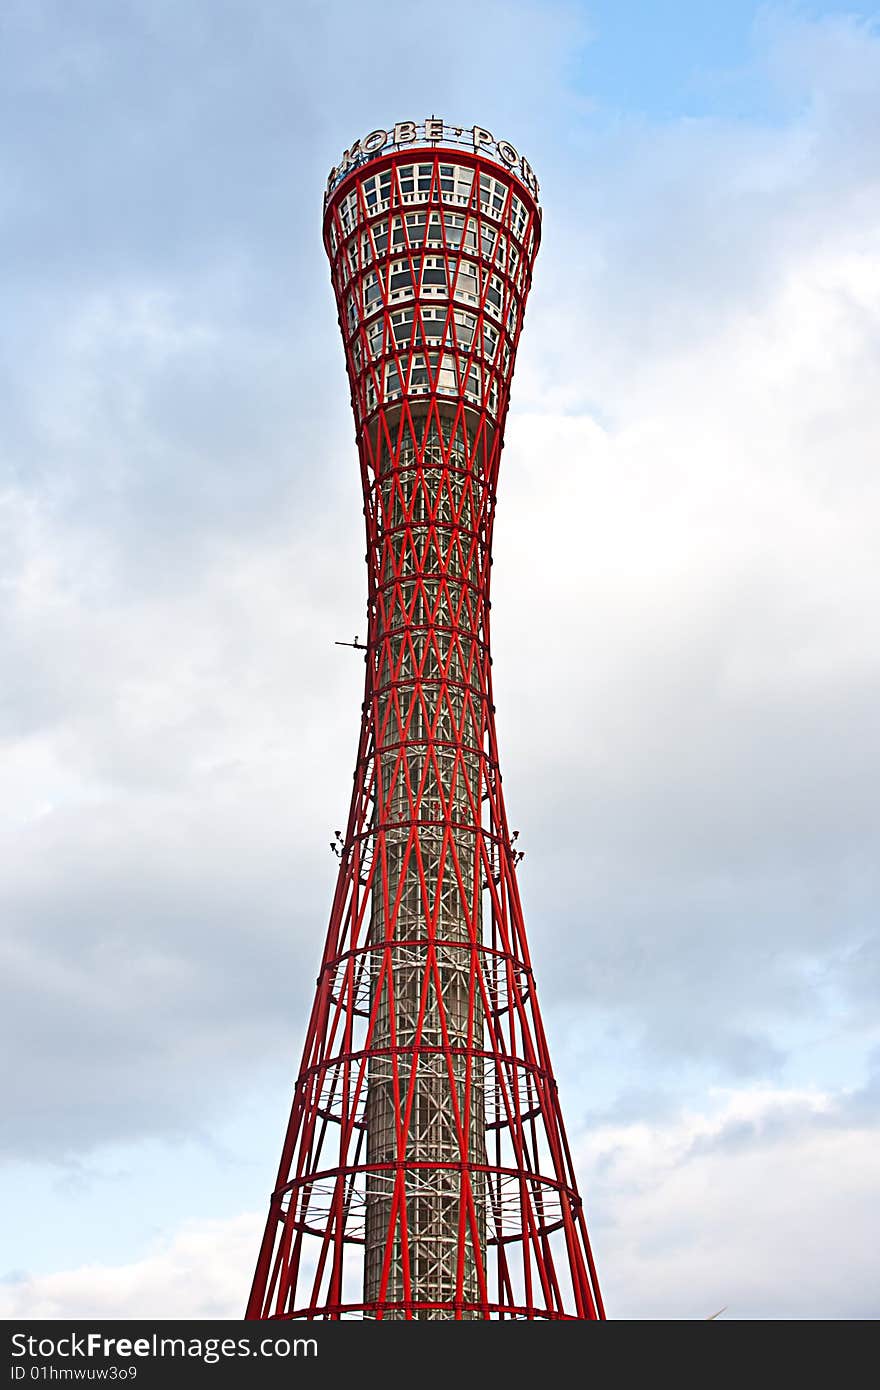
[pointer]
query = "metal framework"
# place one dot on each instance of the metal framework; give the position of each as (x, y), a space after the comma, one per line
(426, 1172)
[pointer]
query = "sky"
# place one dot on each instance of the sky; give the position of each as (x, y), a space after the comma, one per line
(685, 613)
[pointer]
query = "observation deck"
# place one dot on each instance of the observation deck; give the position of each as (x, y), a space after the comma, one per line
(431, 231)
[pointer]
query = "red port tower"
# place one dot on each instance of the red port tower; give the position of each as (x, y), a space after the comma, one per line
(425, 1172)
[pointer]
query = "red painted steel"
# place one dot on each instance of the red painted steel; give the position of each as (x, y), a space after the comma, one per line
(425, 1171)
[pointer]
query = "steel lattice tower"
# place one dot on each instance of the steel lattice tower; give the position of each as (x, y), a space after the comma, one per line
(425, 1171)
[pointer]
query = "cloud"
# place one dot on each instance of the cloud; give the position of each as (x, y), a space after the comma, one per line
(165, 899)
(684, 579)
(686, 549)
(196, 1273)
(182, 528)
(739, 1204)
(742, 1206)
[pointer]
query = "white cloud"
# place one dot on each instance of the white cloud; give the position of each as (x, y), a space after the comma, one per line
(199, 1272)
(766, 1204)
(740, 1205)
(686, 573)
(686, 587)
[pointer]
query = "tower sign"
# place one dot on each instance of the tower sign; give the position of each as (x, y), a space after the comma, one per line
(433, 131)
